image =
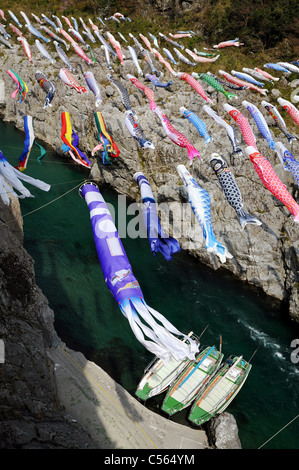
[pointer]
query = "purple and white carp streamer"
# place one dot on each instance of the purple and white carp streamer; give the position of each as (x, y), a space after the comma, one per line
(151, 328)
(159, 240)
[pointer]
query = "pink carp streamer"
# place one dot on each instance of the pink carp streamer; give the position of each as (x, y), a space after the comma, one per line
(195, 84)
(180, 35)
(118, 14)
(147, 91)
(290, 108)
(67, 21)
(80, 52)
(230, 78)
(76, 47)
(271, 181)
(16, 30)
(70, 81)
(65, 34)
(116, 46)
(146, 42)
(233, 42)
(26, 48)
(201, 59)
(175, 136)
(243, 123)
(266, 74)
(164, 62)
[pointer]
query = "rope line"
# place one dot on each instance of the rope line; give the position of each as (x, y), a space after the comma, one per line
(292, 420)
(47, 204)
(55, 184)
(53, 200)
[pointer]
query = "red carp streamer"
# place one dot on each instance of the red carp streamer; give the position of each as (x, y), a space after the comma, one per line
(271, 181)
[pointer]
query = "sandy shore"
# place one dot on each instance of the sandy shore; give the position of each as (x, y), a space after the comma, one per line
(112, 417)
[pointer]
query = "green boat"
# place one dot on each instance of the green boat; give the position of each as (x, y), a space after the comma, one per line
(220, 391)
(195, 375)
(159, 375)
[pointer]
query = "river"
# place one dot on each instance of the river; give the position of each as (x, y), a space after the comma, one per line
(58, 236)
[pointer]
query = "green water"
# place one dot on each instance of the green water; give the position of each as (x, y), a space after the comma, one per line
(60, 240)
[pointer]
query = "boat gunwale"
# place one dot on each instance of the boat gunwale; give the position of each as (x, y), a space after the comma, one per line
(224, 404)
(148, 371)
(201, 354)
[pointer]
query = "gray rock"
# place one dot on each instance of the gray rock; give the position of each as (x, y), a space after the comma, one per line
(223, 432)
(31, 416)
(275, 93)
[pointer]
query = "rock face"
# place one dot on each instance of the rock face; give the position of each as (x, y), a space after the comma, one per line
(223, 432)
(266, 256)
(30, 414)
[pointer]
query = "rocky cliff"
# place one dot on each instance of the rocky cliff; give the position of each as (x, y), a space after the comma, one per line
(266, 256)
(31, 416)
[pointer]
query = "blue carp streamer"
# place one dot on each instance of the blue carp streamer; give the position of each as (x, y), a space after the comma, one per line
(157, 82)
(200, 202)
(159, 241)
(260, 122)
(287, 160)
(247, 77)
(197, 123)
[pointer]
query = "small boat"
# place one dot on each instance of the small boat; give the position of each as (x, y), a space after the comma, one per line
(194, 376)
(220, 391)
(159, 375)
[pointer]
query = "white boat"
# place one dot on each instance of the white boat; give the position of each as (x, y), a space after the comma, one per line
(158, 375)
(220, 391)
(197, 373)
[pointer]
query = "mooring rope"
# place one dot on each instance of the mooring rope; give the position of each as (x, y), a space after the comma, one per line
(47, 204)
(290, 422)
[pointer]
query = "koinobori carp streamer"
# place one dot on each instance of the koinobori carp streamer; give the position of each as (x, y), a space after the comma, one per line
(11, 178)
(150, 328)
(260, 122)
(159, 241)
(197, 123)
(271, 181)
(231, 190)
(201, 204)
(243, 123)
(175, 136)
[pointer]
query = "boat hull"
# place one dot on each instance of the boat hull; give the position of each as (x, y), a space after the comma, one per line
(159, 378)
(187, 385)
(219, 392)
(159, 375)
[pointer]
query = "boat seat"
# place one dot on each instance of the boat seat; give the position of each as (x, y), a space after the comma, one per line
(155, 380)
(233, 374)
(206, 363)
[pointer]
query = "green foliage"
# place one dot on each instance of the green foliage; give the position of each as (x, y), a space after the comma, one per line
(268, 21)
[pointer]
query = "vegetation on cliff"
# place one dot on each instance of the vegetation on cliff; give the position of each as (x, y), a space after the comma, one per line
(261, 24)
